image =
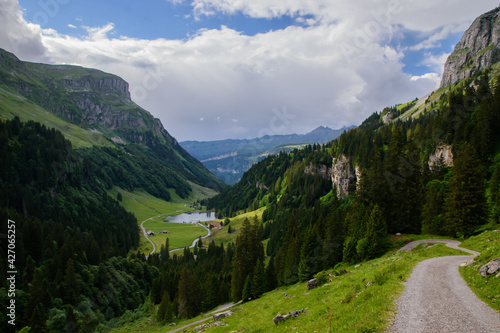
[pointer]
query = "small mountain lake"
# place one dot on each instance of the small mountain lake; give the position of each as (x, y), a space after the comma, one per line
(191, 217)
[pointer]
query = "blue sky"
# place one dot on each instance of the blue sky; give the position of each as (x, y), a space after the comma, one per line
(132, 18)
(215, 69)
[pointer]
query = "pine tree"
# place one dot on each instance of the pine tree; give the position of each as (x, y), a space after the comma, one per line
(164, 313)
(249, 250)
(465, 207)
(376, 233)
(308, 255)
(258, 280)
(189, 295)
(495, 194)
(246, 294)
(271, 281)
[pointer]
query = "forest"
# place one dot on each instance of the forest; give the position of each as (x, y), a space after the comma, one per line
(310, 229)
(78, 267)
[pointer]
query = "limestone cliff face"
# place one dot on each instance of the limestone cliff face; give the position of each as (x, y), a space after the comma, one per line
(344, 176)
(87, 97)
(443, 156)
(478, 49)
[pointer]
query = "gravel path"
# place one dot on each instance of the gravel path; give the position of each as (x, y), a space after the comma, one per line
(437, 299)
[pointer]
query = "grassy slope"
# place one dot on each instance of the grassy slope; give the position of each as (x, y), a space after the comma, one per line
(488, 288)
(361, 301)
(222, 236)
(12, 104)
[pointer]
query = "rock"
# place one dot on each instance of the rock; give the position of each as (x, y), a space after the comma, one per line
(279, 318)
(221, 315)
(342, 272)
(468, 263)
(443, 156)
(344, 178)
(477, 50)
(311, 284)
(490, 268)
(200, 327)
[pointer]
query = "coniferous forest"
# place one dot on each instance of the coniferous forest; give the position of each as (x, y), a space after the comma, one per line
(78, 270)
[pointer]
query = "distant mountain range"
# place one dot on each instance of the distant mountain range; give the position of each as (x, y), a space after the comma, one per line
(229, 159)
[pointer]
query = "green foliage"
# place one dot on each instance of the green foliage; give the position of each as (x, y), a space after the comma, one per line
(465, 207)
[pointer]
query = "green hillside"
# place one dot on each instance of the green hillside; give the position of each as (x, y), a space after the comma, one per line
(94, 111)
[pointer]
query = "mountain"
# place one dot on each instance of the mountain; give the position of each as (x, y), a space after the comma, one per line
(429, 166)
(478, 49)
(229, 159)
(94, 111)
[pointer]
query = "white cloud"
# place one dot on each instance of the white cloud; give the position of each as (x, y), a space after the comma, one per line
(220, 83)
(72, 26)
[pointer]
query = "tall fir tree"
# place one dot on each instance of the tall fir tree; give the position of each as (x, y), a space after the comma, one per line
(465, 207)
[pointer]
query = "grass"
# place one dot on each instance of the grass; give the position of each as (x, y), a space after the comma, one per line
(223, 237)
(15, 105)
(155, 210)
(487, 288)
(361, 301)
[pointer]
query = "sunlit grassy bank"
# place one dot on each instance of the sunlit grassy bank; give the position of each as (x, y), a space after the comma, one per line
(360, 301)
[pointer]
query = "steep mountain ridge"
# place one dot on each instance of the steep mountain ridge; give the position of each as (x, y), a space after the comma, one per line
(478, 49)
(100, 104)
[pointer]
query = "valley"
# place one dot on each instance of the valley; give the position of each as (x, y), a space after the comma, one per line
(311, 225)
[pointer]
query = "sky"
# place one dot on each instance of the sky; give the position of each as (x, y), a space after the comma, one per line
(218, 69)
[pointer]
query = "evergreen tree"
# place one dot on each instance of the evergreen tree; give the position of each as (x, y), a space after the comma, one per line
(495, 194)
(271, 281)
(376, 233)
(189, 295)
(249, 250)
(309, 263)
(465, 207)
(258, 280)
(432, 217)
(164, 313)
(246, 293)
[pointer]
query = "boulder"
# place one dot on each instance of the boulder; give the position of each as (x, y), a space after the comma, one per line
(490, 268)
(279, 318)
(311, 284)
(342, 272)
(221, 315)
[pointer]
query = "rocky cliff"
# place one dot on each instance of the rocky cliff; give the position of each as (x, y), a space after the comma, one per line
(443, 156)
(86, 97)
(478, 49)
(97, 102)
(345, 177)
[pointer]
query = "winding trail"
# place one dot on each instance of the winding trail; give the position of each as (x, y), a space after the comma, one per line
(196, 239)
(437, 299)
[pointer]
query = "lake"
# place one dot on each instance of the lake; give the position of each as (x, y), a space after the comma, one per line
(191, 217)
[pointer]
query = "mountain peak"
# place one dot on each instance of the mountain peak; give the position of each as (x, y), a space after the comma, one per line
(478, 49)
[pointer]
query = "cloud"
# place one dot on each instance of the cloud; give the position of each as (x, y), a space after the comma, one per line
(17, 35)
(335, 69)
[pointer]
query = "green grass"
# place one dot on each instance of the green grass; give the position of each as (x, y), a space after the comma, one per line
(155, 210)
(223, 237)
(180, 235)
(15, 105)
(488, 288)
(361, 301)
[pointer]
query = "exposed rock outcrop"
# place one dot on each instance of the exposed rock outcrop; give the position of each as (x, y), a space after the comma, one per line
(478, 49)
(344, 177)
(311, 284)
(279, 318)
(443, 156)
(490, 268)
(321, 170)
